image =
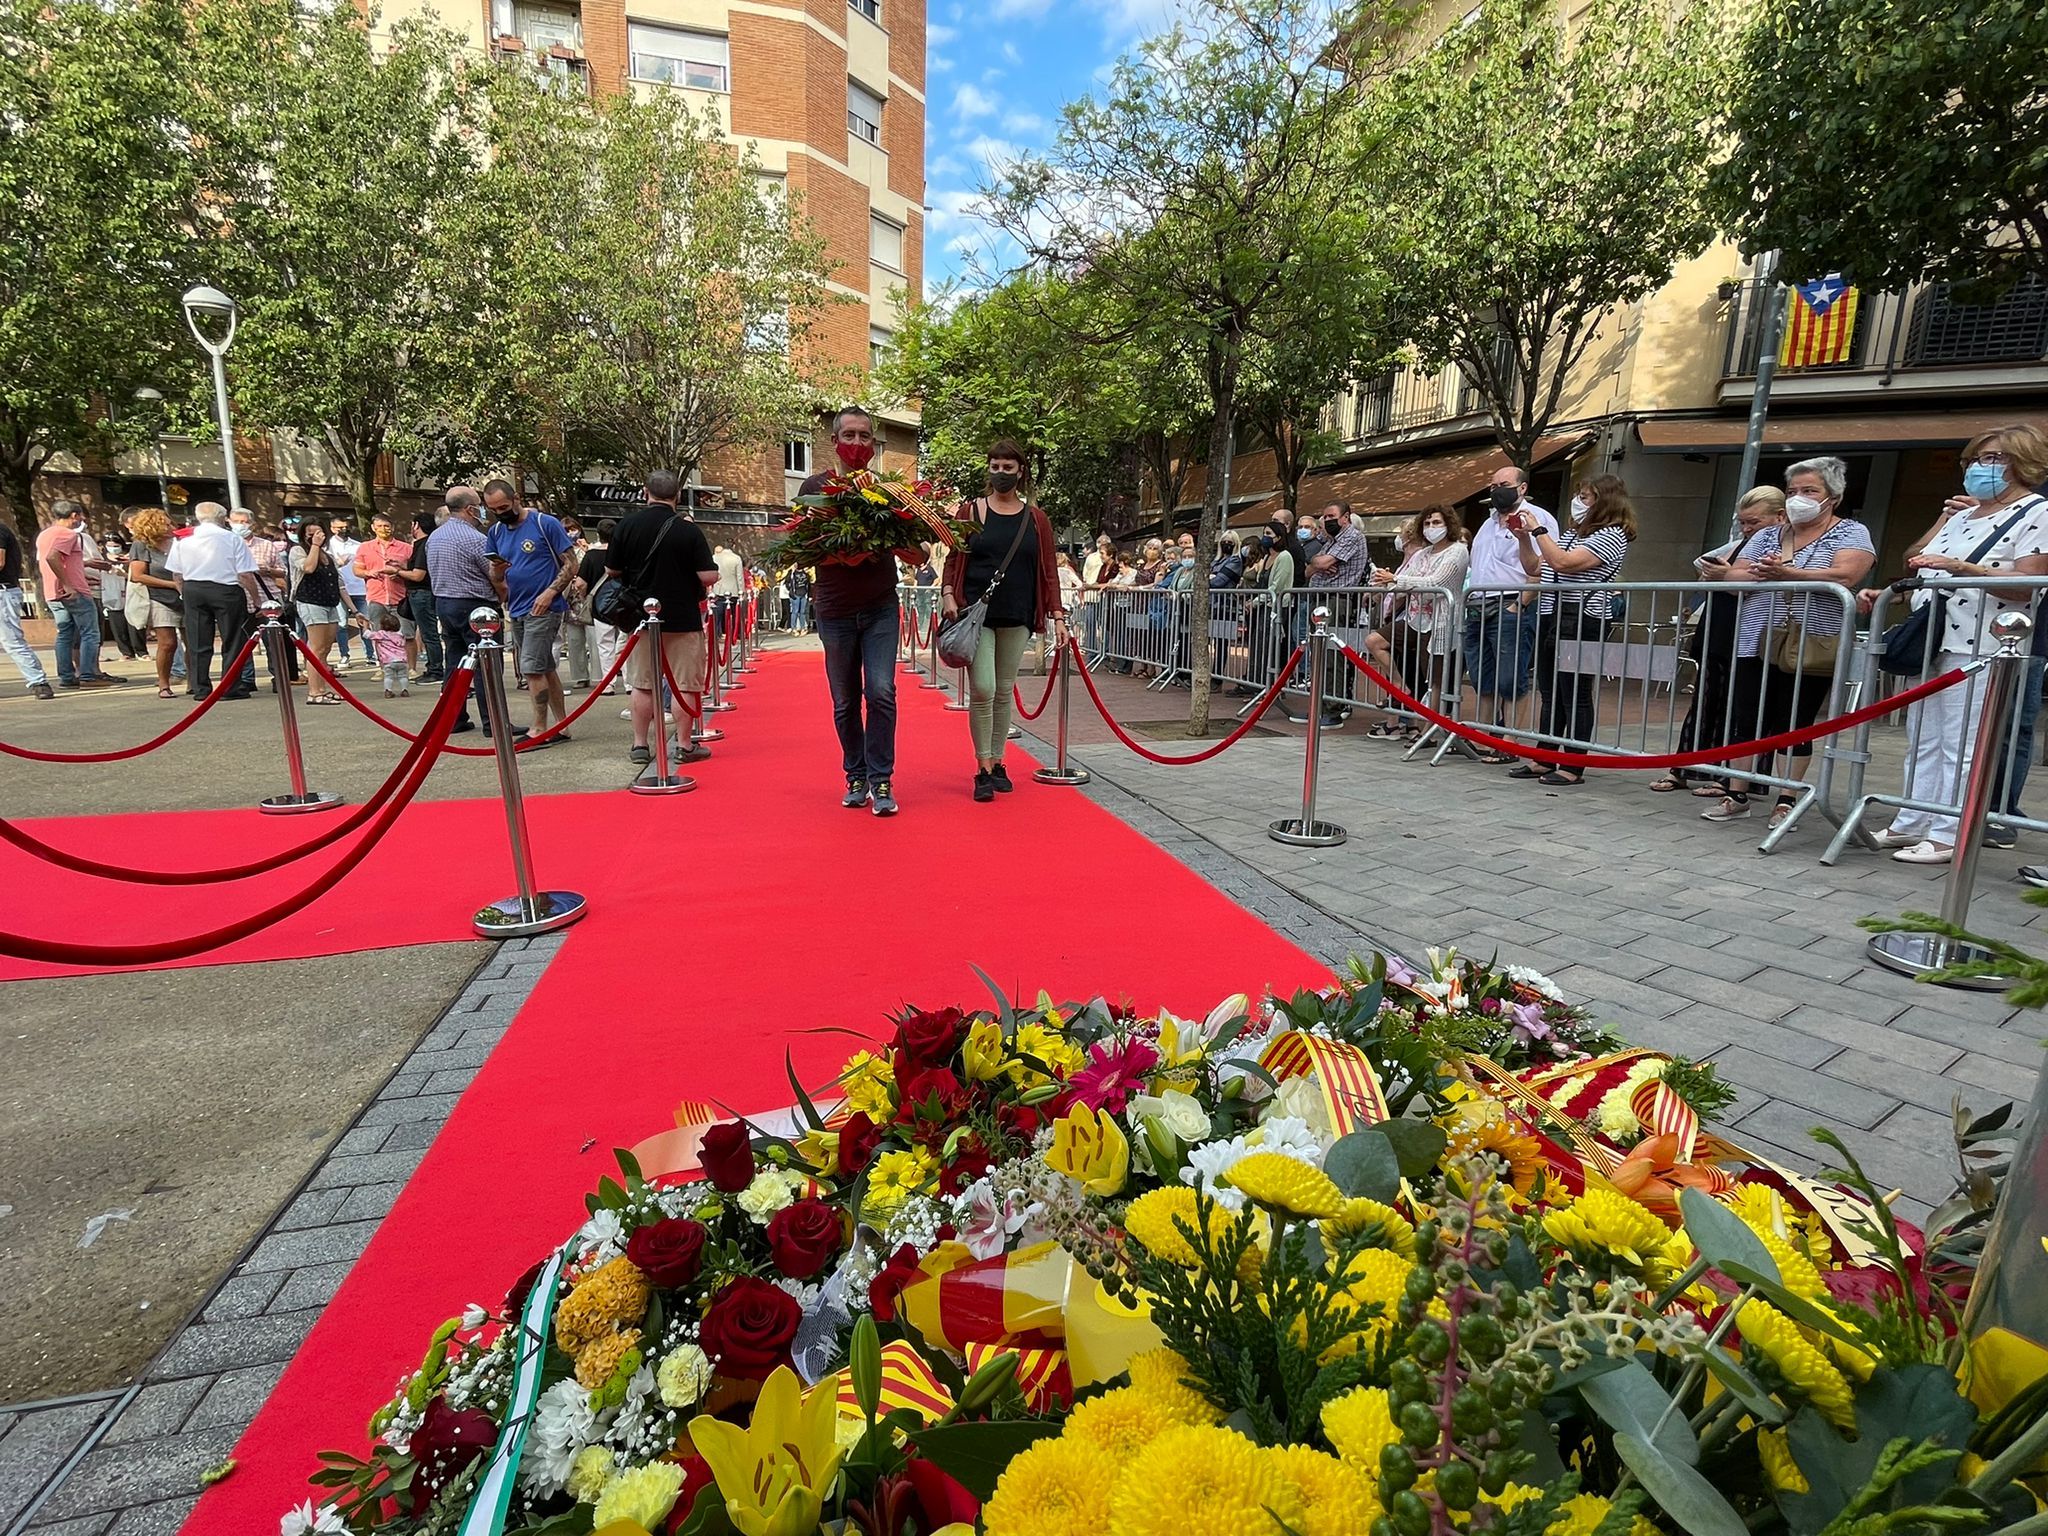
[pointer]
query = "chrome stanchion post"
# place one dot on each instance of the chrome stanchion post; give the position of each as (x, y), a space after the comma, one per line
(728, 635)
(1062, 771)
(931, 681)
(531, 911)
(701, 735)
(1916, 954)
(958, 702)
(749, 609)
(1305, 831)
(715, 699)
(660, 781)
(277, 647)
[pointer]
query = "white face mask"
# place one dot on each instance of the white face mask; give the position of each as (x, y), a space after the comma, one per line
(1803, 509)
(242, 530)
(1436, 533)
(1579, 509)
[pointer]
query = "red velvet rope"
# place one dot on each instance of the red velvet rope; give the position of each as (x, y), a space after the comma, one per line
(434, 736)
(681, 699)
(228, 679)
(596, 691)
(1264, 703)
(77, 863)
(1723, 754)
(1045, 698)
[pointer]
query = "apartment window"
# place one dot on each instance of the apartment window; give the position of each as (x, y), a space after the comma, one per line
(542, 27)
(863, 113)
(880, 343)
(701, 61)
(796, 456)
(885, 243)
(872, 9)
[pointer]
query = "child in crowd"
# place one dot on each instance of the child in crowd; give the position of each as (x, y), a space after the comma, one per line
(389, 643)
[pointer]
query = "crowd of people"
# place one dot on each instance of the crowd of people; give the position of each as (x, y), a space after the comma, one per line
(1515, 611)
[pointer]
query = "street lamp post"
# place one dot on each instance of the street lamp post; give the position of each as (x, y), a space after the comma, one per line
(152, 400)
(211, 304)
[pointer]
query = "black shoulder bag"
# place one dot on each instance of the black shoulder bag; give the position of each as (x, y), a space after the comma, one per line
(1902, 651)
(619, 601)
(960, 635)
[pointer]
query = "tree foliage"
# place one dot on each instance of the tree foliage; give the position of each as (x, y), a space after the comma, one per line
(1891, 140)
(1548, 173)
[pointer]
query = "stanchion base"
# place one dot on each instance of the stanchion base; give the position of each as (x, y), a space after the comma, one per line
(714, 734)
(1916, 954)
(674, 784)
(720, 707)
(1298, 834)
(931, 687)
(1016, 733)
(1073, 775)
(956, 706)
(517, 918)
(297, 805)
(730, 684)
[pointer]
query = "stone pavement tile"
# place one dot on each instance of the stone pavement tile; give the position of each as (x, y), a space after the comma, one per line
(1570, 949)
(1811, 961)
(449, 1082)
(1773, 1038)
(159, 1409)
(1789, 931)
(35, 1447)
(84, 1525)
(422, 1107)
(127, 1476)
(1674, 1036)
(1910, 1085)
(162, 1519)
(1923, 1129)
(1924, 1173)
(322, 1245)
(361, 1138)
(1873, 1035)
(1966, 1035)
(367, 1200)
(313, 1286)
(1887, 987)
(1989, 1076)
(1837, 1100)
(244, 1296)
(1728, 965)
(1728, 996)
(234, 1396)
(313, 1207)
(376, 1168)
(1614, 1001)
(413, 1136)
(206, 1348)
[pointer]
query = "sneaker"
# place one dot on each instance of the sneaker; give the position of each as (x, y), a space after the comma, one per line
(389, 694)
(1925, 853)
(2001, 837)
(2035, 874)
(1781, 813)
(405, 693)
(687, 754)
(42, 690)
(1728, 808)
(625, 714)
(1000, 777)
(107, 679)
(1890, 839)
(856, 794)
(984, 786)
(69, 687)
(885, 798)
(641, 754)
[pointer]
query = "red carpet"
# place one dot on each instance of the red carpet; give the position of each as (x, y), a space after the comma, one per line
(724, 925)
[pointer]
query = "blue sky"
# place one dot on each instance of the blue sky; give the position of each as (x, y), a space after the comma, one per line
(997, 72)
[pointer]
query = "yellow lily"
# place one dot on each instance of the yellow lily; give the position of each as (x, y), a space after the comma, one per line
(775, 1472)
(1087, 1145)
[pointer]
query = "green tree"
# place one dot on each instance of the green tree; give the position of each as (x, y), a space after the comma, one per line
(1211, 192)
(1547, 174)
(1892, 140)
(95, 196)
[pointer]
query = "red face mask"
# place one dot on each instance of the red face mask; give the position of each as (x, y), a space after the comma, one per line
(854, 455)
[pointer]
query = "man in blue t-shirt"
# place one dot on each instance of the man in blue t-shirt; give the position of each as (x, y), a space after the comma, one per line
(533, 562)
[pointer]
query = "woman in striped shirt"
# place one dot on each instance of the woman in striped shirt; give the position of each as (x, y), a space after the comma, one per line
(1574, 568)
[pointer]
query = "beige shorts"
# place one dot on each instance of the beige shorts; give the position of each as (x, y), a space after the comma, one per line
(685, 653)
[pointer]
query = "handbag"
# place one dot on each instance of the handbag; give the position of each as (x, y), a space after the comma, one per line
(1903, 649)
(960, 636)
(1795, 651)
(135, 605)
(621, 606)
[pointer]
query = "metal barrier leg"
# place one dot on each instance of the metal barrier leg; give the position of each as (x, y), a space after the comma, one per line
(660, 781)
(1916, 954)
(277, 643)
(717, 702)
(1062, 771)
(1305, 831)
(531, 911)
(958, 703)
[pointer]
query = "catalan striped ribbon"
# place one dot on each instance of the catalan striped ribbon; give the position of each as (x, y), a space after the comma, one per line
(1042, 1374)
(907, 1382)
(915, 504)
(1351, 1089)
(1664, 1113)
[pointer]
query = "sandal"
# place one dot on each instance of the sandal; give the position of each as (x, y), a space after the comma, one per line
(1557, 778)
(1709, 791)
(1386, 730)
(326, 698)
(166, 693)
(1525, 771)
(1495, 759)
(1667, 784)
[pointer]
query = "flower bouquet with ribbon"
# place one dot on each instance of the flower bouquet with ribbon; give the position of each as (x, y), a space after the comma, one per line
(858, 515)
(1294, 1265)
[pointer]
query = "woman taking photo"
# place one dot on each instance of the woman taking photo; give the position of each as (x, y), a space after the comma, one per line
(323, 603)
(1419, 634)
(1573, 568)
(152, 531)
(1010, 560)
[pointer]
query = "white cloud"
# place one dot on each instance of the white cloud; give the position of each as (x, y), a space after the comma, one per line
(1010, 52)
(942, 168)
(1023, 125)
(938, 34)
(970, 101)
(1125, 21)
(939, 63)
(1013, 10)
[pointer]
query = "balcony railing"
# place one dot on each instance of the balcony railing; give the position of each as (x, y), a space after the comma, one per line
(1407, 400)
(1925, 328)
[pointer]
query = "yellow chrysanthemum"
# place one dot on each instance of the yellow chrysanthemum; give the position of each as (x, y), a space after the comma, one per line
(895, 1177)
(588, 1474)
(1382, 1224)
(1122, 1421)
(1335, 1499)
(1804, 1369)
(1201, 1481)
(1164, 1379)
(1376, 1276)
(1522, 1154)
(596, 1360)
(1285, 1184)
(1605, 1222)
(1795, 1269)
(1058, 1487)
(605, 1300)
(1581, 1514)
(869, 1083)
(1775, 1453)
(643, 1495)
(1047, 1046)
(1359, 1425)
(1763, 1209)
(1511, 1496)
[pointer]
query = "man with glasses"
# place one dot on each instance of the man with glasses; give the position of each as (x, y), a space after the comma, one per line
(1500, 625)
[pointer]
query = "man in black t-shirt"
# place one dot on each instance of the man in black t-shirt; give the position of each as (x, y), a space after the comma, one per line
(664, 554)
(419, 601)
(857, 619)
(12, 605)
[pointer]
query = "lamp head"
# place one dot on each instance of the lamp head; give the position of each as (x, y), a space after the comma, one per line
(148, 395)
(204, 303)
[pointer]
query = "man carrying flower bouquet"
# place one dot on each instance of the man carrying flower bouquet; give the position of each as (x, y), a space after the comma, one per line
(854, 599)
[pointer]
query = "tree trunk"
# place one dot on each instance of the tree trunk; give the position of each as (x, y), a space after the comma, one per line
(17, 480)
(1226, 355)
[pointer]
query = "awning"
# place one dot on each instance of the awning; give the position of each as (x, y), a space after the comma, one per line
(1394, 491)
(1820, 434)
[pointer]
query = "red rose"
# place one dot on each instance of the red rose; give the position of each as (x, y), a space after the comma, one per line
(1020, 1122)
(970, 1164)
(748, 1329)
(446, 1442)
(889, 1282)
(803, 1238)
(940, 1499)
(727, 1157)
(669, 1252)
(932, 1094)
(515, 1298)
(929, 1039)
(696, 1478)
(858, 1139)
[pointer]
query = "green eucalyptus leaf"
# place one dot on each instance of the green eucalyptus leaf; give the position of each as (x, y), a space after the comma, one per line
(1365, 1165)
(1630, 1401)
(1694, 1504)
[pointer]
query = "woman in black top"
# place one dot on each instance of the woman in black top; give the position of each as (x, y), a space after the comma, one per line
(1022, 603)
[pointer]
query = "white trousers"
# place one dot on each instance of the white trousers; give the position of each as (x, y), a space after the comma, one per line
(1941, 735)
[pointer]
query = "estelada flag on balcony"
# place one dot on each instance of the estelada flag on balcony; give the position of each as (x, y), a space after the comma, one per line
(1820, 323)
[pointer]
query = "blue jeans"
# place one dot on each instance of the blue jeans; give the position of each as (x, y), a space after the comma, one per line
(1500, 648)
(2006, 796)
(860, 662)
(456, 638)
(799, 612)
(419, 607)
(78, 638)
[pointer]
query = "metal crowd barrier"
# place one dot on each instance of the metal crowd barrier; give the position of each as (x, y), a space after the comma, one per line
(1938, 734)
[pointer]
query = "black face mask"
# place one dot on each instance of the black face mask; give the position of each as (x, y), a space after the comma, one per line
(1003, 481)
(1331, 525)
(1505, 497)
(1265, 541)
(507, 515)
